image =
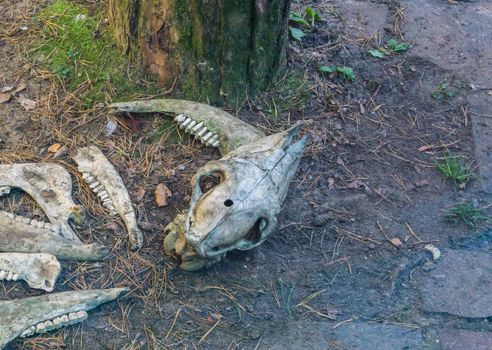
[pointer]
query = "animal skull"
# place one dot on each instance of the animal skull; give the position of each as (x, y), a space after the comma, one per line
(51, 187)
(254, 174)
(40, 271)
(104, 180)
(25, 317)
(240, 212)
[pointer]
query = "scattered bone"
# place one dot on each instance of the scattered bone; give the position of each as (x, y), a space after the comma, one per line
(105, 181)
(18, 235)
(40, 271)
(232, 131)
(41, 314)
(436, 253)
(50, 185)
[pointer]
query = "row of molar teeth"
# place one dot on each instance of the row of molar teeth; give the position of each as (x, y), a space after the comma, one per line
(57, 322)
(9, 276)
(32, 222)
(99, 190)
(198, 129)
(4, 190)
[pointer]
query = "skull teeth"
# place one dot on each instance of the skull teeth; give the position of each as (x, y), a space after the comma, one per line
(9, 276)
(27, 221)
(55, 323)
(197, 129)
(100, 191)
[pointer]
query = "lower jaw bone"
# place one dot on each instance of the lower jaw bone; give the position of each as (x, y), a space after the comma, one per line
(40, 271)
(105, 181)
(24, 317)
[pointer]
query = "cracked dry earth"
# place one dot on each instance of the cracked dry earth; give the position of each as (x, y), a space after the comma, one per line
(329, 278)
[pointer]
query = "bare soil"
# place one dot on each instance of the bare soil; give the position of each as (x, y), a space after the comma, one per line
(362, 183)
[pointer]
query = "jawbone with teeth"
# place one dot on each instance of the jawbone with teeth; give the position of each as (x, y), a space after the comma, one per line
(40, 271)
(51, 187)
(254, 175)
(104, 180)
(25, 317)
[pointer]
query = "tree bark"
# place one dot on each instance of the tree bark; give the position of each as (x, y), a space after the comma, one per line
(213, 50)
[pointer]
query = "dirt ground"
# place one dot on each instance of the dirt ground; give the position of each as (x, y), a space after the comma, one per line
(362, 183)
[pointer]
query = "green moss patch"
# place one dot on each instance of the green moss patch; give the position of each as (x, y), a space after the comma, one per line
(79, 49)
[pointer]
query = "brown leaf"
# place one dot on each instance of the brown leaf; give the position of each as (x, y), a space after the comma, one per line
(425, 148)
(28, 104)
(20, 87)
(162, 193)
(489, 92)
(140, 194)
(54, 148)
(4, 97)
(396, 242)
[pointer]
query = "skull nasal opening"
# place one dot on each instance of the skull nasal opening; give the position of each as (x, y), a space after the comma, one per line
(254, 233)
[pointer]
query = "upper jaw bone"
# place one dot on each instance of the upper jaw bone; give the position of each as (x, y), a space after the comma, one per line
(42, 312)
(102, 177)
(40, 271)
(50, 186)
(16, 235)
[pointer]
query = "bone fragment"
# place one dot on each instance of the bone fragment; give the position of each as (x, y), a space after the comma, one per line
(24, 317)
(93, 164)
(231, 131)
(50, 186)
(20, 237)
(40, 271)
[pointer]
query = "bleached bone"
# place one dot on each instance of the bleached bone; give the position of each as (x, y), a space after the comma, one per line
(255, 172)
(50, 186)
(17, 235)
(25, 317)
(104, 180)
(40, 271)
(229, 131)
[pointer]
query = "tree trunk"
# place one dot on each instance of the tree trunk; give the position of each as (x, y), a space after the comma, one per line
(214, 50)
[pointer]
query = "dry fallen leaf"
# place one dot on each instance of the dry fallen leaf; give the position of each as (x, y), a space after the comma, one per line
(489, 92)
(396, 242)
(162, 193)
(4, 97)
(140, 194)
(28, 104)
(20, 87)
(54, 148)
(425, 148)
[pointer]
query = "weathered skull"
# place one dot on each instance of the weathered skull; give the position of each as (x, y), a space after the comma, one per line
(239, 212)
(25, 317)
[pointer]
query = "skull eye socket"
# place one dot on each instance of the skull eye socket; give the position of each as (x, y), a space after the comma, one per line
(228, 203)
(208, 182)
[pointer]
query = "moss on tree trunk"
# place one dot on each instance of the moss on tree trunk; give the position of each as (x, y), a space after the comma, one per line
(214, 50)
